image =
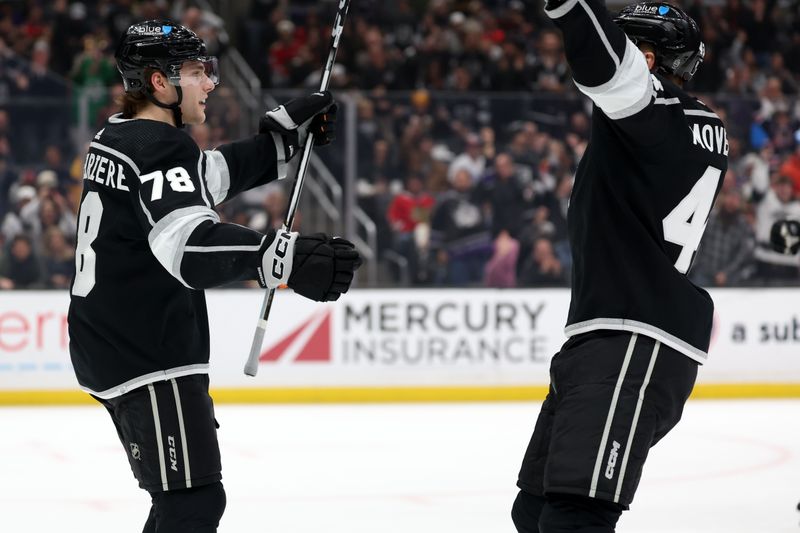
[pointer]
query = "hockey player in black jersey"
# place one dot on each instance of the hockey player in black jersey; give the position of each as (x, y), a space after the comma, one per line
(637, 327)
(785, 236)
(149, 242)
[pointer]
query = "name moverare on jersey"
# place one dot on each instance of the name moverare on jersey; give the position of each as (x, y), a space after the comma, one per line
(104, 171)
(712, 138)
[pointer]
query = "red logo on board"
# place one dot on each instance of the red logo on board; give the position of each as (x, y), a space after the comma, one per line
(310, 342)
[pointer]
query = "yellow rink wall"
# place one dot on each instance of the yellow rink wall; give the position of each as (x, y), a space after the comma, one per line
(432, 345)
(397, 395)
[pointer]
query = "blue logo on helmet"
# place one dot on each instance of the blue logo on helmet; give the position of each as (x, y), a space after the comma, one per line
(166, 29)
(663, 10)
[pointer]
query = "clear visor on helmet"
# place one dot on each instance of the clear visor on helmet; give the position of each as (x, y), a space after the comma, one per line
(197, 71)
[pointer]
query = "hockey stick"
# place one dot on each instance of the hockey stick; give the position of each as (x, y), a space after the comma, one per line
(251, 367)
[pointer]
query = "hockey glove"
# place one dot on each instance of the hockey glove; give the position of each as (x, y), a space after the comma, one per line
(550, 5)
(295, 119)
(785, 236)
(316, 266)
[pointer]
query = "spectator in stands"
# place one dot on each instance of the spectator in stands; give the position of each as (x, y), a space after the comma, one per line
(781, 132)
(206, 25)
(409, 216)
(273, 213)
(773, 203)
(68, 29)
(460, 237)
(760, 28)
(519, 148)
(725, 256)
(54, 161)
(506, 198)
(6, 147)
(377, 66)
(791, 166)
(21, 268)
(58, 257)
(7, 179)
(382, 166)
(40, 123)
(471, 159)
(34, 26)
(777, 70)
(488, 139)
(438, 161)
(48, 209)
(92, 72)
(368, 129)
(283, 51)
(542, 268)
(501, 269)
(549, 220)
(550, 71)
(38, 80)
(13, 223)
(773, 100)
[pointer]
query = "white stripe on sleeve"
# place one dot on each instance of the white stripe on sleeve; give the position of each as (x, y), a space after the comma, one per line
(628, 91)
(203, 184)
(168, 237)
(280, 155)
(561, 10)
(218, 176)
(700, 113)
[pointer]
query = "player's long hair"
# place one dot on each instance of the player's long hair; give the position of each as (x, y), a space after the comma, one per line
(133, 102)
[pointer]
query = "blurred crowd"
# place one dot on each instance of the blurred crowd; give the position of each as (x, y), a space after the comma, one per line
(469, 185)
(468, 130)
(58, 85)
(496, 45)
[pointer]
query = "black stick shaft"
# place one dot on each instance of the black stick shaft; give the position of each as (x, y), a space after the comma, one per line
(251, 367)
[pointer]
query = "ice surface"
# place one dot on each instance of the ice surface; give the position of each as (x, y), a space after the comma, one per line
(729, 466)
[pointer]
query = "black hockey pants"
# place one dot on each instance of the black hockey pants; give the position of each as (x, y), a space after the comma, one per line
(562, 513)
(195, 510)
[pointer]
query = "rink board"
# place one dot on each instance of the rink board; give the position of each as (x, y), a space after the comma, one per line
(403, 345)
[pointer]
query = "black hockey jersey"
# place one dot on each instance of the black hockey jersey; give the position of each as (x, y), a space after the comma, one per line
(643, 190)
(149, 241)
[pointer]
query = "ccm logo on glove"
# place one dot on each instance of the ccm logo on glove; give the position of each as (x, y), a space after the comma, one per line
(276, 262)
(283, 239)
(315, 266)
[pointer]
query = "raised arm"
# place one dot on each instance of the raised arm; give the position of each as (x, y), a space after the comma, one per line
(606, 65)
(242, 165)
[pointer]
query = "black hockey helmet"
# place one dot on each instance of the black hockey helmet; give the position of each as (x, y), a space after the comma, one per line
(162, 45)
(674, 35)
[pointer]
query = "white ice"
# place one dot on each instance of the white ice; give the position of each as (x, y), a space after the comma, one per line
(729, 466)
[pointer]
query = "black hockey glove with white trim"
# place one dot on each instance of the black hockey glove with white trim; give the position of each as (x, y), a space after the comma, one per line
(294, 120)
(550, 5)
(277, 259)
(318, 267)
(785, 236)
